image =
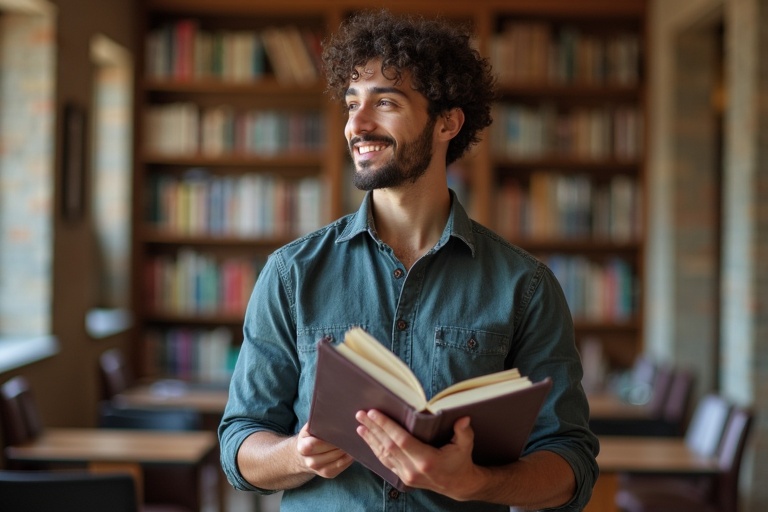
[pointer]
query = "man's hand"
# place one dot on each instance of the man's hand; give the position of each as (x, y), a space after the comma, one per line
(448, 470)
(319, 457)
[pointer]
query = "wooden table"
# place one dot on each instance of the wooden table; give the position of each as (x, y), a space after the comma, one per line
(121, 450)
(610, 406)
(623, 454)
(209, 400)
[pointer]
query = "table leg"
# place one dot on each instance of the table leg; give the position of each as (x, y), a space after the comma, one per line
(604, 494)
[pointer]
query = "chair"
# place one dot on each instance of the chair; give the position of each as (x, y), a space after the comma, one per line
(702, 436)
(19, 415)
(115, 416)
(116, 375)
(674, 411)
(721, 493)
(67, 491)
(707, 424)
(21, 423)
(162, 484)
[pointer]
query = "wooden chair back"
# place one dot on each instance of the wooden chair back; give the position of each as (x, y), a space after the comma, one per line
(19, 413)
(731, 453)
(705, 430)
(116, 375)
(677, 405)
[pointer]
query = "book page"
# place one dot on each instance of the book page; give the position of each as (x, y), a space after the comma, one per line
(414, 397)
(369, 347)
(476, 382)
(478, 394)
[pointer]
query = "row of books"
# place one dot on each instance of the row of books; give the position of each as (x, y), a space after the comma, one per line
(540, 52)
(595, 291)
(524, 131)
(196, 283)
(185, 128)
(197, 355)
(183, 50)
(561, 206)
(252, 205)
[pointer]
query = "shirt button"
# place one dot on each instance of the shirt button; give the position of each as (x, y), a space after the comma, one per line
(472, 343)
(398, 273)
(394, 494)
(401, 325)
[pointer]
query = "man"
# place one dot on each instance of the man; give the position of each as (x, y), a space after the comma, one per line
(407, 265)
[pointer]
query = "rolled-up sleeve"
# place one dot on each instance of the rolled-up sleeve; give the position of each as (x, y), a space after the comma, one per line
(545, 347)
(265, 381)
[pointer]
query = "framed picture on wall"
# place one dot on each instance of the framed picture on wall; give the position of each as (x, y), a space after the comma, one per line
(73, 166)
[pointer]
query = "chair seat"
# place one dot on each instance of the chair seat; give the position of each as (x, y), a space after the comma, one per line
(661, 500)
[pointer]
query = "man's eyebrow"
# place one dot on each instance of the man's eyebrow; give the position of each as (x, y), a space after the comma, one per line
(352, 91)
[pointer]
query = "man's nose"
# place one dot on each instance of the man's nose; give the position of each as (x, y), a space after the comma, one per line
(361, 121)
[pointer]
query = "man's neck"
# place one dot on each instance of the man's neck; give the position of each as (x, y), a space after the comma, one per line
(411, 219)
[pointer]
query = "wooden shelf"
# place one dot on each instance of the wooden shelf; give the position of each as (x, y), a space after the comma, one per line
(281, 160)
(268, 86)
(567, 163)
(158, 237)
(197, 320)
(591, 326)
(545, 90)
(577, 245)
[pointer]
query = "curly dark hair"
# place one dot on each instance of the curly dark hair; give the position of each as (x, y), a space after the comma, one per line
(443, 65)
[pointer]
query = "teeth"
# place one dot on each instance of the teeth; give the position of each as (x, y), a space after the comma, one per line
(367, 149)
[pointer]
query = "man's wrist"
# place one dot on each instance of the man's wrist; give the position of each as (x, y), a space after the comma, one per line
(473, 485)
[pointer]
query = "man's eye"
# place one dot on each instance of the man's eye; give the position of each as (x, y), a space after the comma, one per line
(350, 107)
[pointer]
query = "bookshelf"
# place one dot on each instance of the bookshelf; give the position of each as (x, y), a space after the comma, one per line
(238, 151)
(566, 157)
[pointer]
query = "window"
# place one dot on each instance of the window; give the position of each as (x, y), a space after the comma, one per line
(27, 113)
(111, 177)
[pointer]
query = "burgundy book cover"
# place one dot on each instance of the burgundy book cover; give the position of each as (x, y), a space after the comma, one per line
(501, 424)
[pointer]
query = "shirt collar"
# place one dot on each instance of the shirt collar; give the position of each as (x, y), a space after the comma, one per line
(459, 224)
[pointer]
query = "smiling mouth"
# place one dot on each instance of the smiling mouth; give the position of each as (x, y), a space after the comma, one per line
(371, 147)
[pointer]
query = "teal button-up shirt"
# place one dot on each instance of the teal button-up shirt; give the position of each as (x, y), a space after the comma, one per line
(472, 285)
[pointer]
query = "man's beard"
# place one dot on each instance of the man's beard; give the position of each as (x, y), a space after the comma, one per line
(408, 163)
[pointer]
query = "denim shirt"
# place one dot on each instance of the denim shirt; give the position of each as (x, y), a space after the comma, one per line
(472, 285)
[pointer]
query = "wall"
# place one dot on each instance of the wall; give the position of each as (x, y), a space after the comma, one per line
(66, 385)
(743, 336)
(745, 305)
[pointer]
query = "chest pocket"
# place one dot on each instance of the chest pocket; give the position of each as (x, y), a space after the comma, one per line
(462, 353)
(306, 347)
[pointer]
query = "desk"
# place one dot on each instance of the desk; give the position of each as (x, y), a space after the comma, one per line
(609, 406)
(620, 454)
(122, 450)
(209, 400)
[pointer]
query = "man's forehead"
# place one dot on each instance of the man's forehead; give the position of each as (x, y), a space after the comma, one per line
(372, 72)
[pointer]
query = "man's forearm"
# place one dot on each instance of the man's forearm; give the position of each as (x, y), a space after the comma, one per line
(540, 480)
(269, 461)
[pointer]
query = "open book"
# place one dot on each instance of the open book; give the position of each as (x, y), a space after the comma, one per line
(361, 374)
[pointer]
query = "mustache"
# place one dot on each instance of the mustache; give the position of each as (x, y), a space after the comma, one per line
(370, 138)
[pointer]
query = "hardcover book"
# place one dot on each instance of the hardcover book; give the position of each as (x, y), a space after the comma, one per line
(361, 374)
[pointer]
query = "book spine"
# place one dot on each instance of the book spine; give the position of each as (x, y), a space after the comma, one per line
(423, 426)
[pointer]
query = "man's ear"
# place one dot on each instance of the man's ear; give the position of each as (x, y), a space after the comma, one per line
(450, 123)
